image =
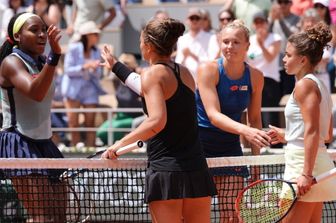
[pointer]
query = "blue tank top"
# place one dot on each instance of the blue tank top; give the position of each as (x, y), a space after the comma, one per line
(234, 98)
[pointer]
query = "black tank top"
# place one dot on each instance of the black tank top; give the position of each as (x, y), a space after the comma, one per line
(177, 146)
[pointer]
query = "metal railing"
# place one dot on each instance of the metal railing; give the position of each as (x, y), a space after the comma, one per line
(110, 113)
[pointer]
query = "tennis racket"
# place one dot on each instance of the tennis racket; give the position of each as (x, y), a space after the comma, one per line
(269, 200)
(81, 202)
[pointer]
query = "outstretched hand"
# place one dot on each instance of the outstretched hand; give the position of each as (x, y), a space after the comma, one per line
(54, 35)
(257, 137)
(277, 135)
(109, 59)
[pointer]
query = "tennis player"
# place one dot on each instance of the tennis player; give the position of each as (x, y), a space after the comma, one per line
(226, 87)
(26, 80)
(178, 182)
(308, 116)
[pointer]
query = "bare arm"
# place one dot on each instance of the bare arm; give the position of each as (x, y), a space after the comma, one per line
(254, 108)
(308, 98)
(54, 15)
(272, 51)
(153, 92)
(108, 19)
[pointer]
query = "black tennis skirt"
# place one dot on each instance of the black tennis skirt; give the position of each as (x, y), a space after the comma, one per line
(166, 185)
(15, 145)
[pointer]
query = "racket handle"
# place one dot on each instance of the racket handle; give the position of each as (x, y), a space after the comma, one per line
(125, 149)
(326, 175)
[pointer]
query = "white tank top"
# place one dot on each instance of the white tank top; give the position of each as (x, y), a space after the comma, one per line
(294, 121)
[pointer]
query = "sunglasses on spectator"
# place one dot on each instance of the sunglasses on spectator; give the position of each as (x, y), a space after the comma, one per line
(284, 2)
(228, 19)
(194, 18)
(319, 5)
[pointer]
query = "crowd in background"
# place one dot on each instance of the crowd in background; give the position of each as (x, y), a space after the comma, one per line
(270, 22)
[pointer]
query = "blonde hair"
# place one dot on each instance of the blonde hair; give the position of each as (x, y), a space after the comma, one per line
(238, 24)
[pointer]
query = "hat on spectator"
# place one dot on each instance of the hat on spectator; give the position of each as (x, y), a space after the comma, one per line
(322, 2)
(260, 15)
(194, 12)
(84, 29)
(88, 28)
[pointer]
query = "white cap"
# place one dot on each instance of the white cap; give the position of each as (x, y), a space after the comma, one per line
(323, 2)
(88, 28)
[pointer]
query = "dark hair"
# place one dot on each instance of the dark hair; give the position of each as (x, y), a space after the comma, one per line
(311, 42)
(163, 34)
(84, 40)
(229, 11)
(10, 5)
(9, 43)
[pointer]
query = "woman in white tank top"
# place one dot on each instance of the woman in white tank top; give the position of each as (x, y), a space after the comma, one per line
(308, 125)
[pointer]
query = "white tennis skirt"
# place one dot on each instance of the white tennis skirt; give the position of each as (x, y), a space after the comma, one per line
(323, 191)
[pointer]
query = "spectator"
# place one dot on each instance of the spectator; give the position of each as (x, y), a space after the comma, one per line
(300, 6)
(193, 46)
(206, 21)
(245, 10)
(91, 10)
(322, 8)
(59, 119)
(224, 17)
(14, 7)
(81, 82)
(284, 23)
(308, 19)
(48, 10)
(161, 14)
(264, 55)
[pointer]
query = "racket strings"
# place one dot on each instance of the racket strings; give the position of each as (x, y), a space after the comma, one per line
(267, 201)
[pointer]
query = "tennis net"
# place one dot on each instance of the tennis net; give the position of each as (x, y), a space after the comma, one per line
(94, 190)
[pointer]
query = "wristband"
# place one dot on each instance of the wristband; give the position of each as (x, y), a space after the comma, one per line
(133, 81)
(53, 59)
(122, 71)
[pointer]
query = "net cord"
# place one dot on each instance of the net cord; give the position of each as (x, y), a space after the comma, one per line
(122, 163)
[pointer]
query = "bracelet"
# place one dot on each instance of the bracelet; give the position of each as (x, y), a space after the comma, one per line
(115, 153)
(307, 176)
(121, 70)
(53, 59)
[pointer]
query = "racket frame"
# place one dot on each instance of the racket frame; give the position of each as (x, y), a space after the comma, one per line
(253, 184)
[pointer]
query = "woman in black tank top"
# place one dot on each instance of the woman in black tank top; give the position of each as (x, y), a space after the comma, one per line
(178, 183)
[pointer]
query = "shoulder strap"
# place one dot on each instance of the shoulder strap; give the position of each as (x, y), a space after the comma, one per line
(220, 66)
(175, 69)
